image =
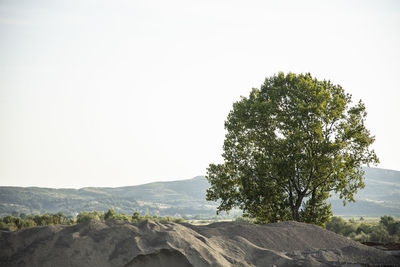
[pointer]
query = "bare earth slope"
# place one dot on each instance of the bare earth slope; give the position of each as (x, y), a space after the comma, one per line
(148, 243)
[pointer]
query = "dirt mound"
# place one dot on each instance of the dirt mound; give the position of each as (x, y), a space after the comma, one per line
(163, 257)
(148, 243)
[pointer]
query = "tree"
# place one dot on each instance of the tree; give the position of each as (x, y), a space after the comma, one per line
(136, 217)
(287, 147)
(85, 216)
(386, 220)
(110, 214)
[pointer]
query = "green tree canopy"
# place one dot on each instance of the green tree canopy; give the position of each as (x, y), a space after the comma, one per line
(288, 145)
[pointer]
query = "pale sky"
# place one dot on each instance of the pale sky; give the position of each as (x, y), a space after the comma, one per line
(118, 93)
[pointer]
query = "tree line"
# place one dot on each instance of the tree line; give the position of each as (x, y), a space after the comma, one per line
(386, 231)
(22, 221)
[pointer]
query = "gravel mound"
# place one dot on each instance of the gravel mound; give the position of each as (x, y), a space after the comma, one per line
(113, 243)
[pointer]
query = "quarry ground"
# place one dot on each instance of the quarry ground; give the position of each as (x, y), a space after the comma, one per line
(115, 243)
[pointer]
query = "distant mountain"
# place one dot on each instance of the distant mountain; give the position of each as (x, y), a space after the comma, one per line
(176, 198)
(381, 196)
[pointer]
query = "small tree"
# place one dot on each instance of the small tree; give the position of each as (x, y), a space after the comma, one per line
(136, 217)
(288, 145)
(379, 234)
(386, 220)
(110, 214)
(85, 216)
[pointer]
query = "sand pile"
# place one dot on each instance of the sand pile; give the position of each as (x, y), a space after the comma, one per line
(148, 243)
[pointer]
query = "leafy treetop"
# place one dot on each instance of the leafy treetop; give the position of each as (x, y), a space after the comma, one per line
(288, 145)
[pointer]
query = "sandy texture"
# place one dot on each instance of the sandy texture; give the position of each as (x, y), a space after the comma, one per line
(148, 243)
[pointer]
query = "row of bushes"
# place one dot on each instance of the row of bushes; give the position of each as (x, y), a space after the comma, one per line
(387, 230)
(135, 218)
(15, 222)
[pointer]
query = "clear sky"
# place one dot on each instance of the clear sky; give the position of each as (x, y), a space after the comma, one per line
(117, 93)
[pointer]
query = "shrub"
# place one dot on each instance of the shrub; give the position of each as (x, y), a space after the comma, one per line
(88, 216)
(379, 234)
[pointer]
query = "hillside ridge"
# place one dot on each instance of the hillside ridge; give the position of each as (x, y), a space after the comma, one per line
(381, 196)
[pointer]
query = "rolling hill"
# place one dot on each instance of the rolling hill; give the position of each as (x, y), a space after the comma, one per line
(381, 196)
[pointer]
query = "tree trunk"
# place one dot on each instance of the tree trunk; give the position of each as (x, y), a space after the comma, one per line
(313, 203)
(295, 214)
(295, 209)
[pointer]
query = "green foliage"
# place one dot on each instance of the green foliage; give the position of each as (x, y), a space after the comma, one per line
(89, 216)
(364, 228)
(361, 237)
(136, 217)
(27, 221)
(386, 220)
(110, 214)
(166, 219)
(288, 145)
(386, 231)
(186, 197)
(336, 224)
(379, 234)
(11, 222)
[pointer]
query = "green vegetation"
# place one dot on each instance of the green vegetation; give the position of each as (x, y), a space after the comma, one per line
(387, 230)
(177, 198)
(185, 198)
(16, 221)
(288, 146)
